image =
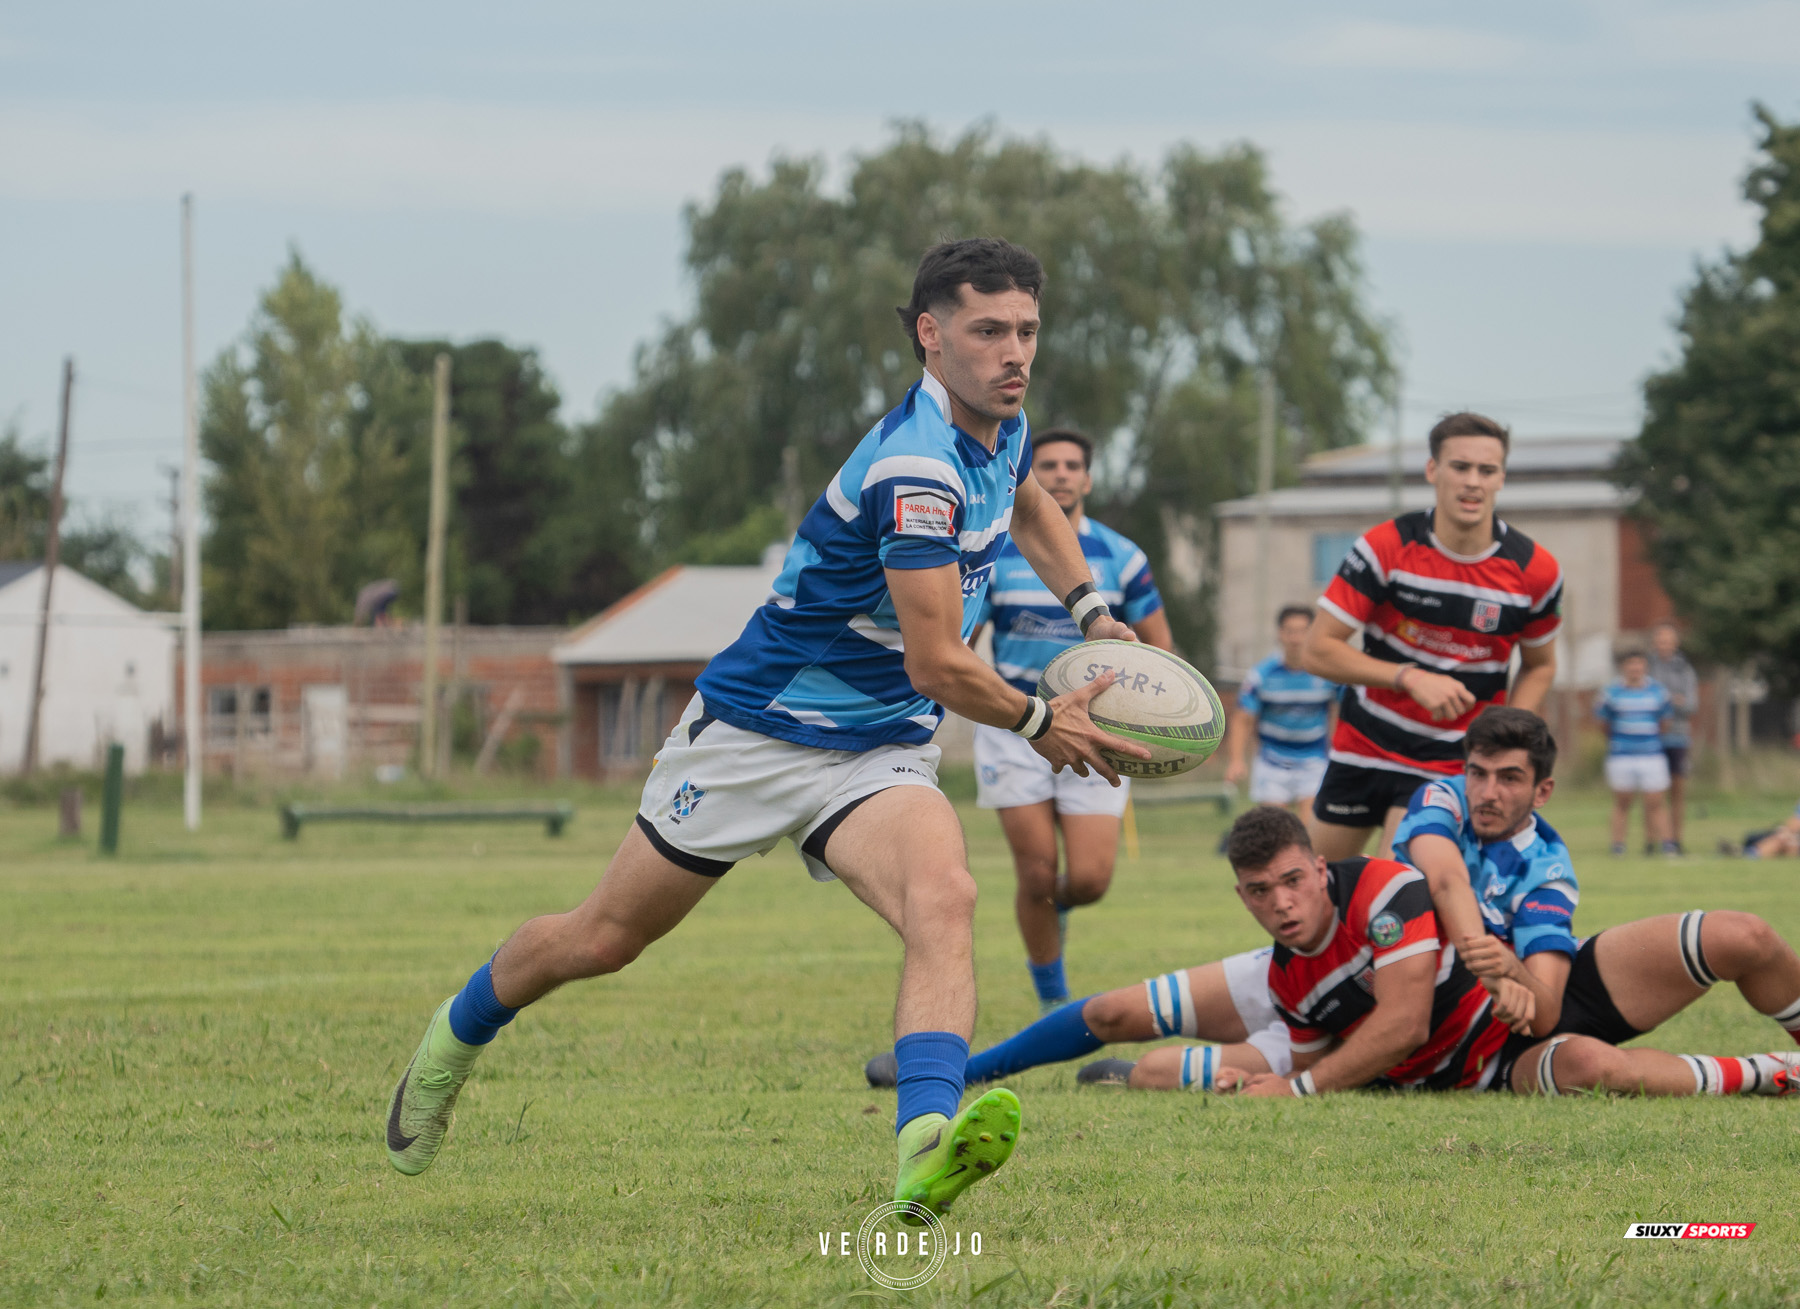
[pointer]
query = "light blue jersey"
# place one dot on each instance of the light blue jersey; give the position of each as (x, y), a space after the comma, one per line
(820, 663)
(1293, 711)
(1633, 716)
(1031, 627)
(1525, 885)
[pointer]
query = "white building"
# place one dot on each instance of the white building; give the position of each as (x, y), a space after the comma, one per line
(109, 671)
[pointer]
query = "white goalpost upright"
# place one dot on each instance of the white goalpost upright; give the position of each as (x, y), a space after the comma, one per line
(190, 530)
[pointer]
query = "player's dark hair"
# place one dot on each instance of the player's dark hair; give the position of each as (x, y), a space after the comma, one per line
(1503, 727)
(1086, 443)
(984, 262)
(1261, 833)
(1293, 611)
(1468, 424)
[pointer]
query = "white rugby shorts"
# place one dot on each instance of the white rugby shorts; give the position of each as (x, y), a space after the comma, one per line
(1247, 978)
(1276, 783)
(719, 794)
(1638, 772)
(1009, 773)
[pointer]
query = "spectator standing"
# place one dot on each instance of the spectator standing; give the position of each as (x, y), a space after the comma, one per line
(1633, 708)
(1670, 666)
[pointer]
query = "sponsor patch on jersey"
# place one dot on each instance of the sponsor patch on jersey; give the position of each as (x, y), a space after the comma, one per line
(923, 513)
(1385, 929)
(1486, 617)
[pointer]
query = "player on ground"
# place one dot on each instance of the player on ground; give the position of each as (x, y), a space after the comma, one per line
(816, 725)
(1505, 893)
(1441, 597)
(1031, 628)
(1287, 711)
(1360, 976)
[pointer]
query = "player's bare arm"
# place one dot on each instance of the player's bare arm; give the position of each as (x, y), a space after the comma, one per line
(1537, 672)
(1238, 734)
(1398, 1025)
(1330, 655)
(1050, 546)
(929, 605)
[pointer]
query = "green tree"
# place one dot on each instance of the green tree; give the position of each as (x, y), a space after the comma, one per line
(1716, 468)
(106, 551)
(1166, 291)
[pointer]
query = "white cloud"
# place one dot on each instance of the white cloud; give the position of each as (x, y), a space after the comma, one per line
(1376, 45)
(1760, 34)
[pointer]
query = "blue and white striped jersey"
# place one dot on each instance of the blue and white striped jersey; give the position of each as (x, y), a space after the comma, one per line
(1293, 711)
(821, 663)
(1633, 716)
(1525, 885)
(1031, 627)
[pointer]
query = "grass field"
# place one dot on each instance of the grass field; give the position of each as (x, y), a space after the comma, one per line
(201, 1035)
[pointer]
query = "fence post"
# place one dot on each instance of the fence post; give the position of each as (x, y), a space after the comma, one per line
(111, 798)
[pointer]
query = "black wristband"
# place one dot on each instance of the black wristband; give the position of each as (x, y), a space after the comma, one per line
(1086, 588)
(1086, 606)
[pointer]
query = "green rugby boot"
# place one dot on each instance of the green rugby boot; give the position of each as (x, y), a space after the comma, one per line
(940, 1157)
(423, 1102)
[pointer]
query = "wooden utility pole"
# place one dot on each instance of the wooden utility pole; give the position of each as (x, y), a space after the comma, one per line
(1265, 485)
(52, 548)
(434, 563)
(193, 743)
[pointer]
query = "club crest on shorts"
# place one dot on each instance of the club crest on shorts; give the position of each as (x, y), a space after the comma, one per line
(1385, 929)
(1486, 617)
(687, 799)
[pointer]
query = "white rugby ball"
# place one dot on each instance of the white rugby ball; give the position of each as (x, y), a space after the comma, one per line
(1158, 700)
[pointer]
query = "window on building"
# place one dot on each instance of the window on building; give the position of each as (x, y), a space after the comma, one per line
(1329, 549)
(221, 712)
(225, 703)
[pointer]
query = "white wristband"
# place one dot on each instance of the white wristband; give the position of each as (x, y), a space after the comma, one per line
(1303, 1084)
(1087, 609)
(1032, 725)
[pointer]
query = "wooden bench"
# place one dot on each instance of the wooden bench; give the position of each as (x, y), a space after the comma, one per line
(554, 817)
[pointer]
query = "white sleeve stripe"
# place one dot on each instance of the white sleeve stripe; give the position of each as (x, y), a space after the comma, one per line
(1363, 548)
(1545, 639)
(1132, 567)
(839, 502)
(1417, 947)
(1554, 591)
(1388, 892)
(915, 466)
(1306, 1047)
(1325, 602)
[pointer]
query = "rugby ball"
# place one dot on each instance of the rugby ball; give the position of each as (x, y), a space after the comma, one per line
(1159, 700)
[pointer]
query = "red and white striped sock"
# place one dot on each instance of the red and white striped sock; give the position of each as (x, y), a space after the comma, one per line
(1789, 1019)
(1751, 1074)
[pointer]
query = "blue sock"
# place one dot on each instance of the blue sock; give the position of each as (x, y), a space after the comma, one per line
(1050, 1040)
(477, 1014)
(1049, 979)
(930, 1074)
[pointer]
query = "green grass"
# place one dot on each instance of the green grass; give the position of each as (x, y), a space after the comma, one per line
(200, 1036)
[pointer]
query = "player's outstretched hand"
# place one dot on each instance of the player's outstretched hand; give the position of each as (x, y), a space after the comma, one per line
(1109, 629)
(1074, 742)
(1443, 697)
(1266, 1084)
(1230, 1079)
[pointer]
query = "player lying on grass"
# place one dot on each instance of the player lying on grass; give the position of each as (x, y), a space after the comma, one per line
(1504, 890)
(1346, 974)
(816, 725)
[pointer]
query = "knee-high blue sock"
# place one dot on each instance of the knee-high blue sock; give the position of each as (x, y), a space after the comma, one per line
(1050, 1040)
(929, 1074)
(1049, 979)
(476, 1013)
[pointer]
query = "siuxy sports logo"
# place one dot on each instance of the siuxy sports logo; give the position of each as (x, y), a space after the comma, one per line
(894, 1252)
(1689, 1231)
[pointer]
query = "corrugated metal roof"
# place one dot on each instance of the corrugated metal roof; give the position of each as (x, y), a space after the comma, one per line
(1298, 501)
(687, 615)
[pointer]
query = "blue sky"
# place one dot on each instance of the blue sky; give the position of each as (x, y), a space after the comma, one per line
(1534, 181)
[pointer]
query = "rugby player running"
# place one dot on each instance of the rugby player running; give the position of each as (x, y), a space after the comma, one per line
(1441, 597)
(1034, 800)
(816, 725)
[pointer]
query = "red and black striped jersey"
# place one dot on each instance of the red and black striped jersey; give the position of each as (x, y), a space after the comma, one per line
(1384, 915)
(1415, 602)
